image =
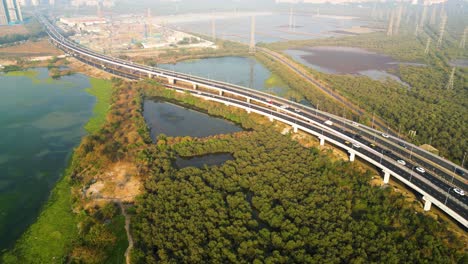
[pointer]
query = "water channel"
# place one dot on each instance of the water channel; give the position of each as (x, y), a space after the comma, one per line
(41, 121)
(202, 161)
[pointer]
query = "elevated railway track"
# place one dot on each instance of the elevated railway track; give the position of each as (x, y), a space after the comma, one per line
(435, 185)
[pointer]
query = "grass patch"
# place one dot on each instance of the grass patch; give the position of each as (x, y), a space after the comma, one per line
(50, 238)
(117, 255)
(274, 81)
(102, 90)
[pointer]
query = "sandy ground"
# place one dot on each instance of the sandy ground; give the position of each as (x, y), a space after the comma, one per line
(16, 29)
(78, 66)
(360, 30)
(30, 49)
(121, 182)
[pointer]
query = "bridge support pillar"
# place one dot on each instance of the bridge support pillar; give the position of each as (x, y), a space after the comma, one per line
(322, 141)
(295, 128)
(194, 86)
(386, 177)
(427, 203)
(170, 81)
(248, 100)
(352, 155)
(150, 76)
(271, 118)
(220, 92)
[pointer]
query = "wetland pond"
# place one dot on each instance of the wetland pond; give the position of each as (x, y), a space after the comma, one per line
(41, 121)
(177, 121)
(347, 60)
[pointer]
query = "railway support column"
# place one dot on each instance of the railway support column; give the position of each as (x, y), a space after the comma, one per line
(220, 92)
(271, 118)
(352, 155)
(248, 100)
(295, 128)
(170, 81)
(194, 86)
(322, 141)
(427, 203)
(150, 76)
(386, 178)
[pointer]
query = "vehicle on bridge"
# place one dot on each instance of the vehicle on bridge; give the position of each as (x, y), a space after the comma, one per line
(459, 191)
(402, 162)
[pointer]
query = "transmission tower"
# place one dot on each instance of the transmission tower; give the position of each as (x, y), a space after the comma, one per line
(213, 28)
(423, 16)
(463, 39)
(390, 24)
(428, 44)
(252, 36)
(451, 80)
(442, 30)
(290, 18)
(373, 11)
(148, 17)
(398, 21)
(99, 11)
(433, 15)
(409, 13)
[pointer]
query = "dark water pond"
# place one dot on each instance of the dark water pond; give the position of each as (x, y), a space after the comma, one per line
(201, 161)
(177, 121)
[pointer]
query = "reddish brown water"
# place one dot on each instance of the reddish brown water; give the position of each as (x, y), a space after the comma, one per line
(342, 60)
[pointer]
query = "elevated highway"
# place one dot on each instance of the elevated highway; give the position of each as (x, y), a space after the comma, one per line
(435, 185)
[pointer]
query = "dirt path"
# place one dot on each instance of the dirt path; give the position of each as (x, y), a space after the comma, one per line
(129, 235)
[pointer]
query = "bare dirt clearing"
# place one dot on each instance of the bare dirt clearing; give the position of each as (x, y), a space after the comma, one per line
(30, 49)
(10, 30)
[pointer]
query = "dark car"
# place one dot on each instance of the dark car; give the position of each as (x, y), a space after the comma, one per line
(459, 172)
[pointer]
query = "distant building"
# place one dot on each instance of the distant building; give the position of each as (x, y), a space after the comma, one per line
(104, 3)
(10, 12)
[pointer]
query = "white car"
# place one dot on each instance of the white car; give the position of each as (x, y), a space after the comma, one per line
(356, 145)
(328, 122)
(420, 169)
(459, 191)
(402, 162)
(355, 124)
(297, 110)
(385, 135)
(284, 107)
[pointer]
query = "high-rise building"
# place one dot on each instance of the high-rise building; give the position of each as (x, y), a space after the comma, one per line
(10, 12)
